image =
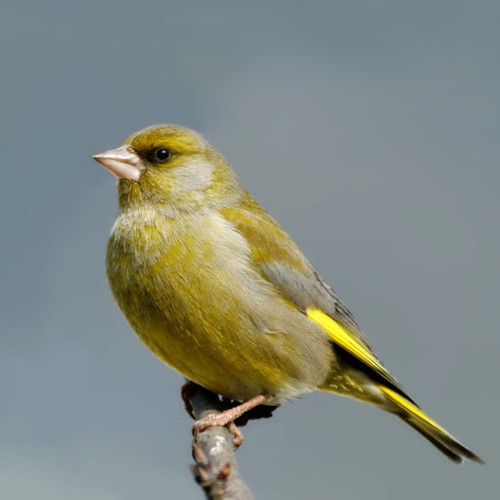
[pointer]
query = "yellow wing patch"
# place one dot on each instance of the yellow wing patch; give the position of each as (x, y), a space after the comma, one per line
(347, 341)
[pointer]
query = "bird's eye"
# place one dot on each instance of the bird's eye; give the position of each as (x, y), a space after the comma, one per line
(161, 154)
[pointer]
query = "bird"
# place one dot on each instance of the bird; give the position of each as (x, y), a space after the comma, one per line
(218, 291)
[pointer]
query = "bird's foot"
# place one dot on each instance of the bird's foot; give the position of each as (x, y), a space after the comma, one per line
(227, 418)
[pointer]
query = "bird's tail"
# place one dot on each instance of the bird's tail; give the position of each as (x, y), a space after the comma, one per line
(414, 416)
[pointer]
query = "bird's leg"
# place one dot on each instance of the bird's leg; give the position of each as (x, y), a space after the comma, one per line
(227, 418)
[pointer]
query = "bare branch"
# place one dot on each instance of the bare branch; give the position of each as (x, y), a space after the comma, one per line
(215, 466)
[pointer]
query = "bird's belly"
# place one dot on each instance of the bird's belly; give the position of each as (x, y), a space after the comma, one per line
(211, 344)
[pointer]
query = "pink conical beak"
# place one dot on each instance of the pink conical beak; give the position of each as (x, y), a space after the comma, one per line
(121, 162)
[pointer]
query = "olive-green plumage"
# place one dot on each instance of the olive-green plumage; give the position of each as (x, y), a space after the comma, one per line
(218, 290)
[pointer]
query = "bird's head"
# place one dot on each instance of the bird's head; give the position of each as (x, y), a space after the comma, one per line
(170, 166)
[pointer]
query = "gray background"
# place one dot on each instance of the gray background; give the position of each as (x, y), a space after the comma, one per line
(369, 129)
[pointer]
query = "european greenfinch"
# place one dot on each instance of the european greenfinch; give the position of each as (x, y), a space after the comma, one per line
(220, 292)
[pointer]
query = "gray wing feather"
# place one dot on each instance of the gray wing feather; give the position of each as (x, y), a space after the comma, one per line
(309, 290)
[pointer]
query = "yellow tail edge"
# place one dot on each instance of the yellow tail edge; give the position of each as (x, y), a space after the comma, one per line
(422, 423)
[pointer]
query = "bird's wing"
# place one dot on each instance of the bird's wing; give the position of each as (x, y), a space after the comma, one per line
(278, 259)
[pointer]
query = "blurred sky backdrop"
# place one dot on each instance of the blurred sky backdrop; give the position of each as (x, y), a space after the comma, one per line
(369, 129)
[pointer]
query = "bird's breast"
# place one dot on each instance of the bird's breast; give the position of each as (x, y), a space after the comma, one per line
(176, 262)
